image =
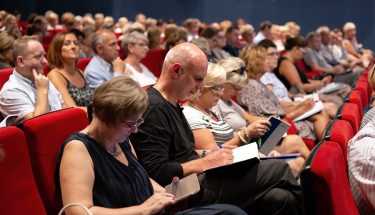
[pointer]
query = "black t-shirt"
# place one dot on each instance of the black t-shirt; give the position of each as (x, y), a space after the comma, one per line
(164, 140)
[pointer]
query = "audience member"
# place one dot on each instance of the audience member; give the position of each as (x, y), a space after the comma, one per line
(264, 32)
(219, 42)
(154, 38)
(135, 45)
(192, 26)
(262, 102)
(232, 35)
(248, 34)
(28, 93)
(105, 64)
(179, 35)
(370, 114)
(165, 145)
(202, 43)
(6, 50)
(63, 56)
(101, 153)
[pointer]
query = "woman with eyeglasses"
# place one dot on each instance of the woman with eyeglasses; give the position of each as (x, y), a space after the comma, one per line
(135, 45)
(98, 168)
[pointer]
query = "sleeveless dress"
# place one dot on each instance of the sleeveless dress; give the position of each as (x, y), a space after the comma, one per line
(116, 185)
(81, 96)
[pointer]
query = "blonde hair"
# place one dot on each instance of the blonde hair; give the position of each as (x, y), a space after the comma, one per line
(235, 69)
(118, 99)
(254, 58)
(371, 77)
(216, 75)
(348, 26)
(6, 42)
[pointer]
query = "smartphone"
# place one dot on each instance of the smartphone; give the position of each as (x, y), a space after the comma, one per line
(186, 187)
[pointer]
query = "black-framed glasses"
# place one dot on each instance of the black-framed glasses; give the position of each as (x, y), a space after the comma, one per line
(134, 124)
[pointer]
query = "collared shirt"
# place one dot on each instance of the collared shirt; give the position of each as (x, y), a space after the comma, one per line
(361, 168)
(98, 71)
(315, 57)
(19, 95)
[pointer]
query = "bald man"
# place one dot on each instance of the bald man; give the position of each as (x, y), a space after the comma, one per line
(165, 146)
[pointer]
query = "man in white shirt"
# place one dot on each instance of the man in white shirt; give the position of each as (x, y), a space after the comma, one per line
(105, 64)
(28, 93)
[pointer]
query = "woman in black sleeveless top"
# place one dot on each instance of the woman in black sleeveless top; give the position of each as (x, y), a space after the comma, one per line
(97, 166)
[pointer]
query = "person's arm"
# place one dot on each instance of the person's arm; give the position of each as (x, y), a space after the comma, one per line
(77, 181)
(350, 49)
(57, 79)
(41, 105)
(251, 118)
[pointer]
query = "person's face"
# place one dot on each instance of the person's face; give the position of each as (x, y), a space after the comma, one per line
(249, 37)
(316, 43)
(271, 58)
(230, 90)
(351, 33)
(124, 129)
(300, 52)
(220, 39)
(210, 96)
(35, 58)
(109, 50)
(191, 79)
(70, 49)
(326, 38)
(233, 37)
(139, 49)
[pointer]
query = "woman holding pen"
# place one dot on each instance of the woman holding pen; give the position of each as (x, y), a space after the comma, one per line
(211, 131)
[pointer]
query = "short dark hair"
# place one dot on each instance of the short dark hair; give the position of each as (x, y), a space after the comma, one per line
(291, 42)
(208, 33)
(265, 24)
(266, 43)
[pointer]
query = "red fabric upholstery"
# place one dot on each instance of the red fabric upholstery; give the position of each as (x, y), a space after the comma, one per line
(293, 129)
(45, 134)
(154, 60)
(355, 97)
(325, 182)
(19, 194)
(82, 63)
(310, 73)
(350, 113)
(309, 143)
(363, 78)
(340, 131)
(46, 69)
(4, 76)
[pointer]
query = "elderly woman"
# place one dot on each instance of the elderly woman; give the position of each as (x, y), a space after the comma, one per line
(135, 45)
(6, 50)
(63, 55)
(98, 168)
(211, 131)
(262, 102)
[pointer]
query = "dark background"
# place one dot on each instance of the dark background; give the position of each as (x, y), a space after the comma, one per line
(308, 14)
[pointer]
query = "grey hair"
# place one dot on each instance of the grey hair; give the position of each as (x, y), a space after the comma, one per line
(98, 38)
(235, 69)
(133, 38)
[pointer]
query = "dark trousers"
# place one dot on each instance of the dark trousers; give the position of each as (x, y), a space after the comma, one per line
(266, 187)
(214, 209)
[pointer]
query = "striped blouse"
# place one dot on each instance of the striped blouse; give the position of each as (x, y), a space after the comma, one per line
(361, 168)
(221, 130)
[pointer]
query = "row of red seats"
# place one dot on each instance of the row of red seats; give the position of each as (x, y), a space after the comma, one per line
(325, 175)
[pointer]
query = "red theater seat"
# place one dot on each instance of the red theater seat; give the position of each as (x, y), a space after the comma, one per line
(45, 134)
(18, 191)
(154, 60)
(82, 63)
(310, 73)
(350, 113)
(355, 97)
(4, 76)
(325, 182)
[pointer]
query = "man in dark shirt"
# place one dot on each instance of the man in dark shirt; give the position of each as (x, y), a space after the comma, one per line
(165, 146)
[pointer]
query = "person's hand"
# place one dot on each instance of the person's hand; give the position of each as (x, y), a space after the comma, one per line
(157, 202)
(319, 84)
(274, 153)
(231, 147)
(118, 65)
(218, 157)
(327, 79)
(308, 103)
(338, 69)
(41, 81)
(257, 128)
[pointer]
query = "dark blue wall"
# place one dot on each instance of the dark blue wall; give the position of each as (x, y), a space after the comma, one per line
(309, 14)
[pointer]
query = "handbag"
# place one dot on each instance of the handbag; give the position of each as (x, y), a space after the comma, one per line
(88, 212)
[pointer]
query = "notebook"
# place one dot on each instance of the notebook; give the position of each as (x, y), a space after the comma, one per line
(318, 106)
(270, 139)
(185, 187)
(331, 87)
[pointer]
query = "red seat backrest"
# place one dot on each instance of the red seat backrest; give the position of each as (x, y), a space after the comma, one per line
(310, 73)
(340, 131)
(45, 134)
(363, 87)
(82, 63)
(325, 182)
(154, 60)
(19, 194)
(4, 76)
(350, 113)
(355, 97)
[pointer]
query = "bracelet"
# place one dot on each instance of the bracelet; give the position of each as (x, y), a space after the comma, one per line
(241, 137)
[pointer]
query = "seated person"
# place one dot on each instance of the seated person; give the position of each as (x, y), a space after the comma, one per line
(212, 131)
(6, 50)
(105, 64)
(262, 102)
(165, 145)
(101, 153)
(316, 60)
(136, 48)
(63, 55)
(28, 93)
(361, 167)
(370, 114)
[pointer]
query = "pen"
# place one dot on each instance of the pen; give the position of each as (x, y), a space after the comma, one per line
(220, 146)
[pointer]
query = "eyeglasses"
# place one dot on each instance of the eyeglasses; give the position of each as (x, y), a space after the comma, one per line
(217, 89)
(141, 44)
(273, 54)
(134, 124)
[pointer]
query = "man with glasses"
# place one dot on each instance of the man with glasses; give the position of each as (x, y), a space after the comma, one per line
(165, 146)
(106, 62)
(28, 93)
